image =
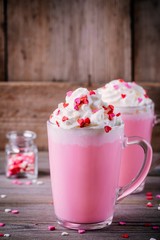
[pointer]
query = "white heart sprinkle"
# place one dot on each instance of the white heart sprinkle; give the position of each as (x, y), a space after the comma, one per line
(7, 235)
(64, 234)
(3, 196)
(39, 182)
(7, 210)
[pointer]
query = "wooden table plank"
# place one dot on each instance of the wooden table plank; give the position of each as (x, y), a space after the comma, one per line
(36, 213)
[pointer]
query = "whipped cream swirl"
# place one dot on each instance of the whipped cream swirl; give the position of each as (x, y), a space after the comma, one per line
(124, 94)
(84, 108)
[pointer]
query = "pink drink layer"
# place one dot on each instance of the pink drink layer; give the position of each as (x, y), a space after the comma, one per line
(132, 156)
(84, 177)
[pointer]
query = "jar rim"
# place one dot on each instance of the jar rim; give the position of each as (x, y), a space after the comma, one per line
(27, 135)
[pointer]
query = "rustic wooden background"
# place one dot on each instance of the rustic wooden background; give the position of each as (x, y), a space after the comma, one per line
(49, 47)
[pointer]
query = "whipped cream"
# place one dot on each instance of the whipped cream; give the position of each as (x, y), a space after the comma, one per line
(84, 108)
(124, 94)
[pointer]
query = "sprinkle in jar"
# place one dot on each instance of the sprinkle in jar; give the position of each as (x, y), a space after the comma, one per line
(21, 155)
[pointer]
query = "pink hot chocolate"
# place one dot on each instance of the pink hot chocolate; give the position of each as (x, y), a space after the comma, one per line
(84, 189)
(137, 111)
(86, 138)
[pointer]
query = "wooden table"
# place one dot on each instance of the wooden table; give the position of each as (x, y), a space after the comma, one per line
(34, 203)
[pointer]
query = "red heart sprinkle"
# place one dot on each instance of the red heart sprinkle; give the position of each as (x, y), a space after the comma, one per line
(51, 228)
(57, 123)
(84, 100)
(149, 194)
(149, 197)
(121, 80)
(146, 96)
(91, 92)
(87, 121)
(111, 116)
(118, 114)
(65, 104)
(58, 112)
(123, 95)
(81, 122)
(111, 107)
(1, 235)
(147, 224)
(64, 118)
(125, 235)
(105, 108)
(107, 129)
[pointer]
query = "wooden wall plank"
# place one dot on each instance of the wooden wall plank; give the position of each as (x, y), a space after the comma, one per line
(68, 40)
(110, 40)
(147, 39)
(28, 105)
(1, 40)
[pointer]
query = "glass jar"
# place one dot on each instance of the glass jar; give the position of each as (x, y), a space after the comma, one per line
(21, 155)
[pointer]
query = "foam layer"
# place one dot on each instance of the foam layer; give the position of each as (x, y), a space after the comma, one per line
(84, 108)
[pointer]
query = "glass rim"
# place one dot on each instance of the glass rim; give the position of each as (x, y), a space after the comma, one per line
(151, 104)
(25, 134)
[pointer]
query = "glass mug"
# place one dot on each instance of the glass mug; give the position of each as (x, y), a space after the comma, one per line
(138, 121)
(85, 167)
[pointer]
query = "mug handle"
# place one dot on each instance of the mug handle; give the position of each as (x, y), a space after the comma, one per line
(135, 182)
(157, 119)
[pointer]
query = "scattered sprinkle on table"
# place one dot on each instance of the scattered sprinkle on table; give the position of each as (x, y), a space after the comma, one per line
(125, 235)
(158, 196)
(149, 204)
(51, 228)
(2, 224)
(149, 194)
(7, 210)
(64, 233)
(34, 180)
(15, 211)
(122, 223)
(149, 197)
(7, 235)
(28, 183)
(3, 196)
(147, 224)
(17, 182)
(155, 227)
(39, 182)
(81, 231)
